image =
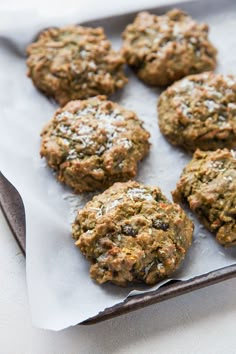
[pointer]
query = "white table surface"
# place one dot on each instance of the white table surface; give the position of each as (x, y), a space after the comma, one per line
(200, 322)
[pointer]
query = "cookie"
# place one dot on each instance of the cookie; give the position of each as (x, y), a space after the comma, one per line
(93, 143)
(199, 111)
(132, 233)
(208, 185)
(163, 49)
(74, 62)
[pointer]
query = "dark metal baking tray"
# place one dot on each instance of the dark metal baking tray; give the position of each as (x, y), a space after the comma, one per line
(13, 207)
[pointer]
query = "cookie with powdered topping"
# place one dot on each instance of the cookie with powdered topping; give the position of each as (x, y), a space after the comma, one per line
(163, 49)
(199, 111)
(93, 143)
(132, 233)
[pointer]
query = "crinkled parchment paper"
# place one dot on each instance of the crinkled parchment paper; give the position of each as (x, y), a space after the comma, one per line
(61, 292)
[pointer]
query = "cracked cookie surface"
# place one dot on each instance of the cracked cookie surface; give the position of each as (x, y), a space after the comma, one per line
(199, 111)
(93, 143)
(163, 49)
(75, 62)
(208, 185)
(132, 233)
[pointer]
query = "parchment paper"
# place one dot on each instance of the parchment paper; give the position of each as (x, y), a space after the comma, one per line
(61, 292)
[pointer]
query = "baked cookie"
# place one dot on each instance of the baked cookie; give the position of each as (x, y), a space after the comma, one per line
(75, 62)
(199, 111)
(93, 143)
(132, 233)
(208, 185)
(163, 49)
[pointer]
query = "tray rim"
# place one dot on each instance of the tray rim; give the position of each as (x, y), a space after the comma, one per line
(13, 210)
(15, 217)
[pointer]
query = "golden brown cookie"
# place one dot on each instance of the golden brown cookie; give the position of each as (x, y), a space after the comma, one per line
(163, 49)
(93, 143)
(199, 111)
(208, 185)
(132, 233)
(75, 62)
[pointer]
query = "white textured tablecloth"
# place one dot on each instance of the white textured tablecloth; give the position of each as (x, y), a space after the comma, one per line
(202, 322)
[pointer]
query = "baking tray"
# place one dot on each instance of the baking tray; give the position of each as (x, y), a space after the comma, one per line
(13, 207)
